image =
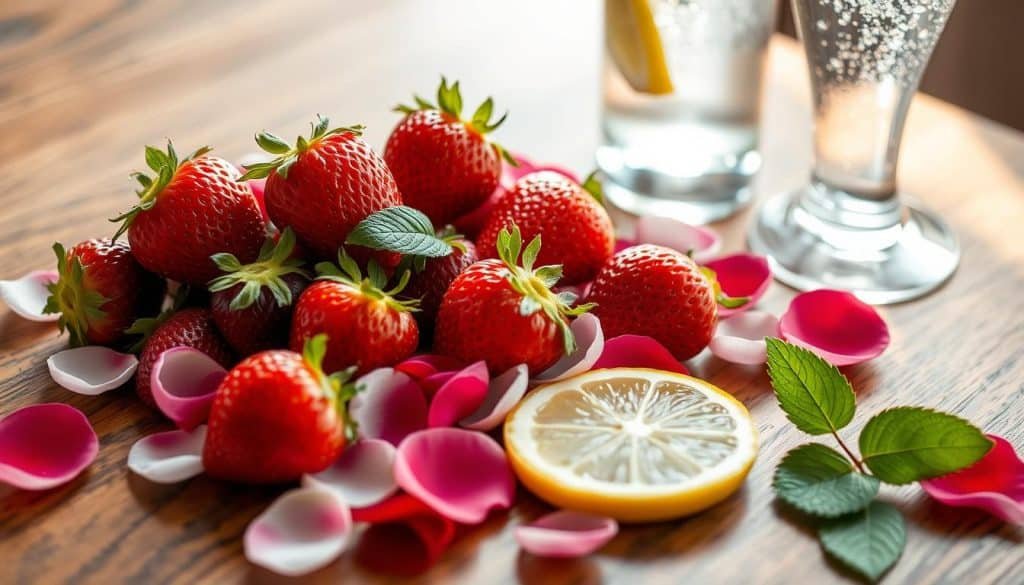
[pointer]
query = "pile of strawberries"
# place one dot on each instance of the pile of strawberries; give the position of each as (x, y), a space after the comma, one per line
(329, 260)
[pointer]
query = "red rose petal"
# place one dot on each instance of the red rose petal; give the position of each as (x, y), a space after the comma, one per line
(459, 397)
(836, 325)
(638, 351)
(994, 484)
(45, 445)
(406, 536)
(741, 275)
(421, 366)
(389, 406)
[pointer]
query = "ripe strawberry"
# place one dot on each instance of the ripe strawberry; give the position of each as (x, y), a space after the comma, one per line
(367, 327)
(506, 314)
(252, 304)
(101, 291)
(276, 416)
(193, 209)
(445, 166)
(430, 284)
(324, 185)
(575, 228)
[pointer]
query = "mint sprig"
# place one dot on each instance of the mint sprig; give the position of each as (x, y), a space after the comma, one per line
(400, 229)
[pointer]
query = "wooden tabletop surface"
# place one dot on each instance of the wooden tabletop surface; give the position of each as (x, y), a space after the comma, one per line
(83, 88)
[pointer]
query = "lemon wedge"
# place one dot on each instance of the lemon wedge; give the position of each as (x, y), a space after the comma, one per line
(635, 45)
(635, 444)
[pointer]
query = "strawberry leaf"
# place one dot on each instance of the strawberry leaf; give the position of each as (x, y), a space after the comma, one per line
(818, 480)
(400, 229)
(814, 395)
(869, 541)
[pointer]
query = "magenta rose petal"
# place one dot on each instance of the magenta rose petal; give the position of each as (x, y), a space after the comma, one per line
(459, 396)
(421, 366)
(623, 243)
(589, 344)
(566, 534)
(638, 351)
(389, 406)
(363, 475)
(503, 393)
(45, 445)
(836, 325)
(741, 275)
(304, 530)
(740, 339)
(27, 295)
(664, 231)
(461, 474)
(184, 381)
(994, 484)
(169, 457)
(92, 369)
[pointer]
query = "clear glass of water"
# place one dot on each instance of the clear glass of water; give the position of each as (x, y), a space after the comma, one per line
(682, 90)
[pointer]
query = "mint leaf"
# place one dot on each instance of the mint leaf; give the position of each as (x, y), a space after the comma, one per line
(818, 480)
(399, 229)
(869, 541)
(907, 444)
(812, 392)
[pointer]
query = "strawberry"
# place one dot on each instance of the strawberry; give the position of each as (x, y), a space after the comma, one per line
(191, 210)
(575, 227)
(324, 185)
(101, 291)
(277, 416)
(505, 313)
(367, 327)
(430, 284)
(252, 304)
(445, 166)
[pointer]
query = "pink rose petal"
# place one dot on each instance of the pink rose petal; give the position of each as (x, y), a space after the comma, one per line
(836, 325)
(45, 445)
(389, 406)
(638, 351)
(92, 369)
(432, 383)
(303, 530)
(566, 534)
(740, 339)
(671, 233)
(623, 243)
(994, 484)
(184, 381)
(589, 345)
(169, 457)
(420, 366)
(459, 397)
(405, 538)
(27, 295)
(503, 393)
(741, 275)
(363, 475)
(461, 474)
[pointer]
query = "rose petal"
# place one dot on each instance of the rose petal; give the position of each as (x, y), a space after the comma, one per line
(740, 338)
(994, 484)
(363, 475)
(27, 295)
(432, 383)
(638, 351)
(420, 366)
(589, 344)
(459, 397)
(92, 369)
(503, 393)
(741, 275)
(45, 445)
(623, 243)
(169, 457)
(566, 534)
(406, 536)
(184, 381)
(303, 530)
(836, 325)
(389, 406)
(671, 233)
(461, 474)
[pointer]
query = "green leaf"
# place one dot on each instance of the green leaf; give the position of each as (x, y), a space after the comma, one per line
(400, 229)
(818, 480)
(272, 143)
(812, 392)
(907, 444)
(155, 159)
(869, 541)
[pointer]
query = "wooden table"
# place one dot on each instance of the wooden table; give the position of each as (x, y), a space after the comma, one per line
(83, 88)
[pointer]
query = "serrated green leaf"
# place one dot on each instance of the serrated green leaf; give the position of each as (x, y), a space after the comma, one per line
(907, 444)
(819, 480)
(813, 394)
(400, 229)
(869, 541)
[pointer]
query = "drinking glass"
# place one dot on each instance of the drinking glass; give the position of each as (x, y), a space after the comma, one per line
(682, 88)
(849, 229)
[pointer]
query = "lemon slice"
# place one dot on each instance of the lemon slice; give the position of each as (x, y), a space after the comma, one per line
(635, 45)
(635, 444)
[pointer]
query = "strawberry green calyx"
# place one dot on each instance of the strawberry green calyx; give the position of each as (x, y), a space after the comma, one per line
(372, 286)
(720, 297)
(69, 297)
(535, 284)
(593, 186)
(338, 387)
(273, 263)
(286, 154)
(145, 326)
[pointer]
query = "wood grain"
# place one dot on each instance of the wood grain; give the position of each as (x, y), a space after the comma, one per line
(82, 88)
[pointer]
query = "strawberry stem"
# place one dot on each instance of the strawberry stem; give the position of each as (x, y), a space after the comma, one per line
(286, 154)
(347, 272)
(273, 263)
(76, 305)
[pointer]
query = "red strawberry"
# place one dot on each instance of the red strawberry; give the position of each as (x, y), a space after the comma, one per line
(193, 209)
(187, 327)
(276, 416)
(445, 166)
(324, 185)
(506, 314)
(252, 304)
(575, 228)
(367, 327)
(101, 291)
